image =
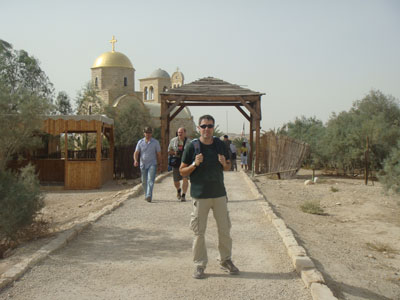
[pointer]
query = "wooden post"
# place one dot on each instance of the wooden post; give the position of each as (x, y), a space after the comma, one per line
(366, 155)
(250, 154)
(98, 154)
(257, 160)
(66, 157)
(164, 134)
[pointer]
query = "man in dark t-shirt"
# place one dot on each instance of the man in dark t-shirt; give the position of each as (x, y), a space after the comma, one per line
(205, 160)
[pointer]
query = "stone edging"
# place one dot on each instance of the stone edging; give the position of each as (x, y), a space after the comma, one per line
(63, 238)
(303, 264)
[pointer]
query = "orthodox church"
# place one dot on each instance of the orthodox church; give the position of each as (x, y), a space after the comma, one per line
(113, 78)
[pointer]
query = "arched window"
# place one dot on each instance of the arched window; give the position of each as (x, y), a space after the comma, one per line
(125, 81)
(165, 89)
(96, 82)
(151, 93)
(145, 94)
(90, 109)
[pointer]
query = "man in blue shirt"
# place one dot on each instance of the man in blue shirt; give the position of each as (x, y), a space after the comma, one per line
(149, 151)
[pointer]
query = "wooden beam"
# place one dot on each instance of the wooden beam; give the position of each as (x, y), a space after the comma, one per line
(211, 103)
(243, 112)
(204, 97)
(251, 109)
(171, 108)
(177, 112)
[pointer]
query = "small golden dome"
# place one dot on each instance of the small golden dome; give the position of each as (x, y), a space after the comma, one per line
(112, 59)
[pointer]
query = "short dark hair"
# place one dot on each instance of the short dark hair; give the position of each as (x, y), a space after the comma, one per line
(206, 117)
(225, 136)
(148, 129)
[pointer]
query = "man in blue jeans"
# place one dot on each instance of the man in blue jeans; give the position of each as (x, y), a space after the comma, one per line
(149, 151)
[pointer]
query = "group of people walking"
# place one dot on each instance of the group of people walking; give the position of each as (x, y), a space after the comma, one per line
(202, 161)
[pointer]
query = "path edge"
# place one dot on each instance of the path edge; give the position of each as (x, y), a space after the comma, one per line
(303, 264)
(16, 271)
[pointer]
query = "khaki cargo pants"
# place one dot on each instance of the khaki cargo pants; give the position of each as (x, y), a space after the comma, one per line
(198, 224)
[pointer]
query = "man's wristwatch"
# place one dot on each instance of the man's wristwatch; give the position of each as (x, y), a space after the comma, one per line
(194, 164)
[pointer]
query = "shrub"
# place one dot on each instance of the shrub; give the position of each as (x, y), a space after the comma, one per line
(312, 207)
(20, 200)
(390, 175)
(334, 189)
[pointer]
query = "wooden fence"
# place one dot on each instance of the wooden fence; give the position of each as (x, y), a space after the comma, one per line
(281, 155)
(123, 162)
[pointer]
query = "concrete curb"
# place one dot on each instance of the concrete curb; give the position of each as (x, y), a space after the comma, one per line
(303, 264)
(63, 238)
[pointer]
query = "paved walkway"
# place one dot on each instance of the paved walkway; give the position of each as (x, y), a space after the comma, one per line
(143, 251)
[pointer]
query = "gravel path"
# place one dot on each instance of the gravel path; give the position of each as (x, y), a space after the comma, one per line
(143, 251)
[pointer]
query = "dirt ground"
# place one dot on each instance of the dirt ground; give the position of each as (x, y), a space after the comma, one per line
(355, 243)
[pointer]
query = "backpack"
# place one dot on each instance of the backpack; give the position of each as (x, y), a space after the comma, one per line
(197, 149)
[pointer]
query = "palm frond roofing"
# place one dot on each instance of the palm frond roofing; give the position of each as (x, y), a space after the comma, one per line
(210, 86)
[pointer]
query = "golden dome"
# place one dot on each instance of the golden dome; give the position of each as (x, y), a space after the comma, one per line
(112, 59)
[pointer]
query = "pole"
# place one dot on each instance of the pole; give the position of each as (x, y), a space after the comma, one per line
(366, 162)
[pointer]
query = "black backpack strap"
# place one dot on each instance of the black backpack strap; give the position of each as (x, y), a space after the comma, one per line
(196, 145)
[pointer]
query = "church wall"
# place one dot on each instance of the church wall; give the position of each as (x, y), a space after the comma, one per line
(110, 82)
(177, 79)
(113, 79)
(157, 84)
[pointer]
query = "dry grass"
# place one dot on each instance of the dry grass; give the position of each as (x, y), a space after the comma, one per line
(312, 207)
(334, 189)
(381, 247)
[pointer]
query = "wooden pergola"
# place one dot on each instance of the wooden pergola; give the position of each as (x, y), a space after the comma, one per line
(210, 91)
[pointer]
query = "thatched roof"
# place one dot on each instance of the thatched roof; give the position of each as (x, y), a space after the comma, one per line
(210, 86)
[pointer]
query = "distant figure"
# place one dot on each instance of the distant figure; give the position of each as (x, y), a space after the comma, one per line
(243, 156)
(233, 158)
(204, 160)
(175, 150)
(228, 143)
(149, 151)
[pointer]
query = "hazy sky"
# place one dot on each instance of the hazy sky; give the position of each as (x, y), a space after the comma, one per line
(310, 58)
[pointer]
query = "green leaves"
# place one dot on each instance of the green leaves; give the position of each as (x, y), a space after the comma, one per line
(341, 143)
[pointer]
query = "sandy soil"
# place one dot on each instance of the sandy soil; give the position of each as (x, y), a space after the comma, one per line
(355, 243)
(144, 251)
(65, 208)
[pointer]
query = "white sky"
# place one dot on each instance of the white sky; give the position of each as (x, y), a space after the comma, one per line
(310, 58)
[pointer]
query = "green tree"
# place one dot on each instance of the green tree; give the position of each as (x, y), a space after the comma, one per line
(311, 131)
(129, 120)
(25, 95)
(20, 200)
(63, 104)
(376, 116)
(20, 71)
(390, 175)
(88, 102)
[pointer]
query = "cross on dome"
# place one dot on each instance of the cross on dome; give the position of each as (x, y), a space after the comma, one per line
(113, 41)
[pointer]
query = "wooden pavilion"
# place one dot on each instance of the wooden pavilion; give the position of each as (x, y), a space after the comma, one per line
(210, 91)
(80, 172)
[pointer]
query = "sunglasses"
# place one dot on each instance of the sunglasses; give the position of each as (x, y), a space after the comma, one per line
(204, 126)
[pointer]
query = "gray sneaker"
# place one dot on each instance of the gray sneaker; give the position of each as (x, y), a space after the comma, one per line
(228, 266)
(199, 273)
